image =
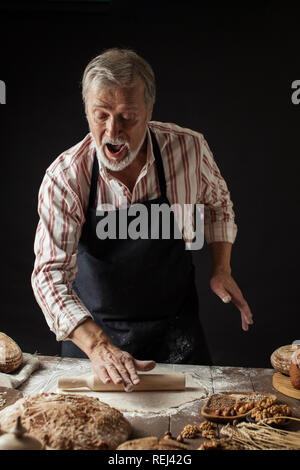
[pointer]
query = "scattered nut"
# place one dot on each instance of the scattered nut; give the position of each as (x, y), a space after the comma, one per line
(206, 425)
(209, 445)
(209, 434)
(190, 431)
(226, 412)
(220, 444)
(242, 410)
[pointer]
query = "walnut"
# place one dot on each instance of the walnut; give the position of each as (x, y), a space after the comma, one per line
(208, 430)
(265, 403)
(274, 412)
(285, 410)
(209, 445)
(179, 438)
(209, 434)
(220, 444)
(206, 425)
(190, 431)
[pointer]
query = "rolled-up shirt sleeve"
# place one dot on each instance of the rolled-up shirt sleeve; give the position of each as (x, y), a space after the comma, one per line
(55, 247)
(219, 217)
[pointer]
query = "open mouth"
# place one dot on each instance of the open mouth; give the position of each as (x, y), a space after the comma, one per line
(115, 150)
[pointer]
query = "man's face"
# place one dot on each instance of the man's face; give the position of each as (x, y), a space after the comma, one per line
(118, 120)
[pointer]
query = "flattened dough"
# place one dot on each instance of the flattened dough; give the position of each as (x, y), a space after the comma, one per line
(157, 402)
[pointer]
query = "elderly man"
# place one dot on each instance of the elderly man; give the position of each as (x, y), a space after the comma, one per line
(125, 303)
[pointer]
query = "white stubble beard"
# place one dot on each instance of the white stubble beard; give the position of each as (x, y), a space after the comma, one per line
(126, 161)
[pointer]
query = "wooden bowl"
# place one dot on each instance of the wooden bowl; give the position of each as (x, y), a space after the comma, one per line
(209, 414)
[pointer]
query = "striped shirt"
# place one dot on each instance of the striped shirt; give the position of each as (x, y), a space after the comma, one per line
(192, 177)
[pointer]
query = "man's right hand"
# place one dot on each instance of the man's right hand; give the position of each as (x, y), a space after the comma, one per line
(108, 362)
(111, 364)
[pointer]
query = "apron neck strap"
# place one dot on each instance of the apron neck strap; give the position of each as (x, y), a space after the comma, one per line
(94, 181)
(159, 165)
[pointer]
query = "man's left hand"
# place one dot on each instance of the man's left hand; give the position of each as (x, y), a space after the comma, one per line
(223, 284)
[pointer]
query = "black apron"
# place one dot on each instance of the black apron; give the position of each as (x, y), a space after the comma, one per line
(141, 292)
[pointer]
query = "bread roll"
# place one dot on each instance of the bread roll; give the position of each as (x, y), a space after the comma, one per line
(295, 369)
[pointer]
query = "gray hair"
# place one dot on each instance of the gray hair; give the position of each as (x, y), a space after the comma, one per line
(122, 68)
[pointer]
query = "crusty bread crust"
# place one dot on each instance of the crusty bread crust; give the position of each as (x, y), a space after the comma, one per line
(281, 358)
(68, 421)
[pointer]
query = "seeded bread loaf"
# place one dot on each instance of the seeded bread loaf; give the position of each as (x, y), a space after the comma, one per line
(68, 421)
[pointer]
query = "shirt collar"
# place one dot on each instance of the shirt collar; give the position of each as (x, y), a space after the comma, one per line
(150, 154)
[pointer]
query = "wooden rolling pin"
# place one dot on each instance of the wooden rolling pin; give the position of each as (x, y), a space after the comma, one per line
(147, 382)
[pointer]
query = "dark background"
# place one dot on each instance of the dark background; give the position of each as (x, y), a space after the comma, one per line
(223, 70)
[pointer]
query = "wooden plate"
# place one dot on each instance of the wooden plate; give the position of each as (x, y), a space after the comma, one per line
(211, 416)
(282, 383)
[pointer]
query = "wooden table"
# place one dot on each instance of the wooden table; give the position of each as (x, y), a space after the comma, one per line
(217, 379)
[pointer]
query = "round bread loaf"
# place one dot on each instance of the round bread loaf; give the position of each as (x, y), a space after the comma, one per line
(11, 356)
(68, 421)
(152, 443)
(281, 358)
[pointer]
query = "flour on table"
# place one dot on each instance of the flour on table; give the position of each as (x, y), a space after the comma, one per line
(150, 402)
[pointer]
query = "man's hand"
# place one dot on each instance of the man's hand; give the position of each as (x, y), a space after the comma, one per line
(108, 362)
(223, 284)
(112, 364)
